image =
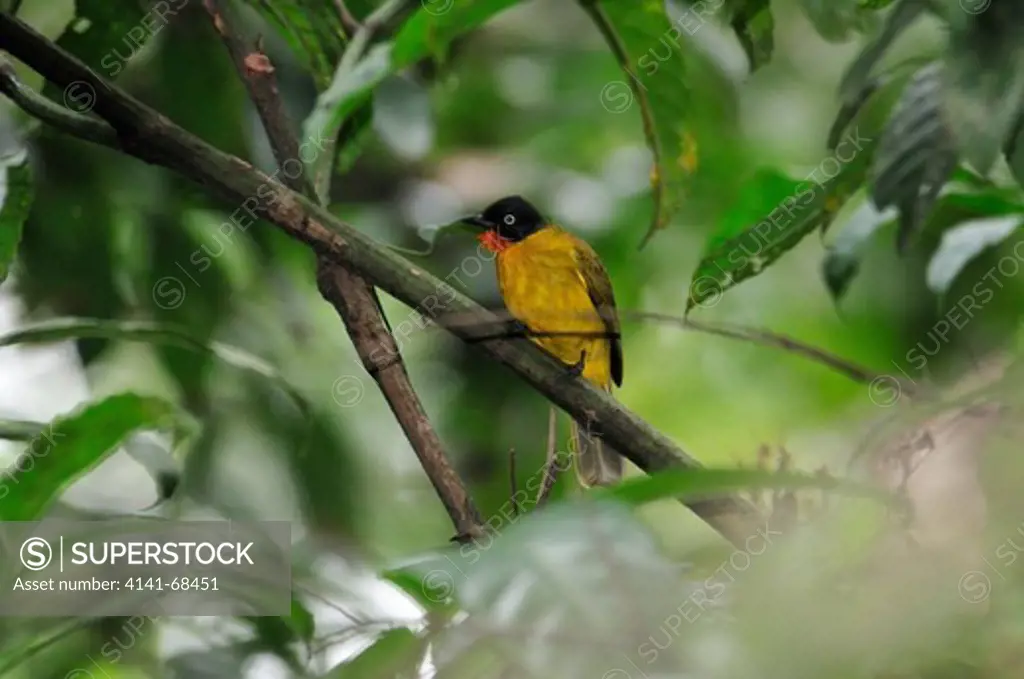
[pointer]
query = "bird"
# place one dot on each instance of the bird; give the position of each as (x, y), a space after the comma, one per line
(559, 293)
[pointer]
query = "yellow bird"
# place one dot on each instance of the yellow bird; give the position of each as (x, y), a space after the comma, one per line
(554, 284)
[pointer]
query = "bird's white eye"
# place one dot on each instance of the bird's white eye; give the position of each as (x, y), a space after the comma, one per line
(510, 220)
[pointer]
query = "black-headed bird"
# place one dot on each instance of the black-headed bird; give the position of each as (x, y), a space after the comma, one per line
(554, 284)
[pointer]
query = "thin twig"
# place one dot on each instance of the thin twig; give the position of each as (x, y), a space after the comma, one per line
(501, 330)
(151, 137)
(64, 119)
(348, 22)
(550, 462)
(355, 301)
(775, 340)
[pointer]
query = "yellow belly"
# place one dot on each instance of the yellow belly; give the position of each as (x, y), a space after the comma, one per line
(542, 288)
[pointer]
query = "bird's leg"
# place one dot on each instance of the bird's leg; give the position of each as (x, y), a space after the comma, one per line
(516, 328)
(510, 329)
(576, 369)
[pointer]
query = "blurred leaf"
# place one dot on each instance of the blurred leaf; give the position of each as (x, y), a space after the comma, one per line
(754, 25)
(425, 33)
(916, 154)
(837, 20)
(685, 101)
(432, 29)
(57, 279)
(410, 579)
(106, 34)
(162, 465)
(979, 201)
(62, 329)
(858, 74)
(962, 244)
(538, 596)
(72, 445)
(154, 458)
(707, 482)
(886, 86)
(277, 634)
(984, 74)
(849, 110)
(842, 262)
(313, 30)
(354, 136)
(16, 192)
(396, 653)
(302, 621)
(212, 662)
(1014, 150)
(323, 462)
(403, 118)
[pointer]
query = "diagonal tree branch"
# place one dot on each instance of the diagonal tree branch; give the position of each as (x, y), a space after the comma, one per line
(355, 301)
(151, 137)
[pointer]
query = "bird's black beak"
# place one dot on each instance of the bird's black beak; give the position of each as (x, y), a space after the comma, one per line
(477, 221)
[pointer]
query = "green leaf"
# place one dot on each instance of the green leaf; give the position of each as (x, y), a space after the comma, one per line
(301, 621)
(430, 31)
(984, 69)
(705, 482)
(539, 595)
(426, 32)
(916, 154)
(354, 136)
(396, 653)
(411, 579)
(277, 634)
(755, 26)
(772, 215)
(160, 463)
(16, 192)
(62, 329)
(686, 104)
(1014, 150)
(879, 92)
(72, 445)
(838, 20)
(775, 212)
(858, 74)
(962, 244)
(313, 30)
(842, 262)
(106, 34)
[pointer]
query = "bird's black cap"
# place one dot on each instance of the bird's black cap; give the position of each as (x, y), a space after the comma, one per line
(512, 217)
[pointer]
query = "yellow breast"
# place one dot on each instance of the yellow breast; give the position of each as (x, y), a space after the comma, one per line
(541, 285)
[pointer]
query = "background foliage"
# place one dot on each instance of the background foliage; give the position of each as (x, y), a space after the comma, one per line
(860, 158)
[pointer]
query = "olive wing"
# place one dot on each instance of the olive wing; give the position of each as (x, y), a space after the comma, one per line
(599, 289)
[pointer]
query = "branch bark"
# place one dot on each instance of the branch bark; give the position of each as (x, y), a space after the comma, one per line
(355, 301)
(151, 137)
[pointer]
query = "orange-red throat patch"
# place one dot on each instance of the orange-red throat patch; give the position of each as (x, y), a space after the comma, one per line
(493, 242)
